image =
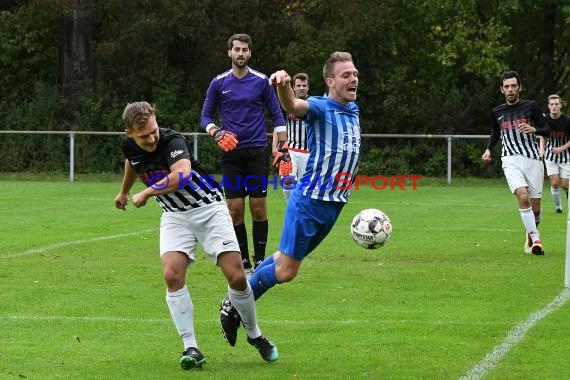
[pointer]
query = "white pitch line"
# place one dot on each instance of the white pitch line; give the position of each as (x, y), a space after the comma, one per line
(46, 248)
(514, 337)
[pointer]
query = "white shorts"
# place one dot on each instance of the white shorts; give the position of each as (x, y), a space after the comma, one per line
(522, 171)
(554, 168)
(209, 225)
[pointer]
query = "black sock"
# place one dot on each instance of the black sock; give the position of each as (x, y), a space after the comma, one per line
(241, 234)
(259, 232)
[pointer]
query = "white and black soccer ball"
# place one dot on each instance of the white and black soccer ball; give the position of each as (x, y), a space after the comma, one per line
(371, 228)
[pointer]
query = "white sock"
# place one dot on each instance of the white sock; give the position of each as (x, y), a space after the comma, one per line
(556, 197)
(244, 303)
(182, 312)
(529, 222)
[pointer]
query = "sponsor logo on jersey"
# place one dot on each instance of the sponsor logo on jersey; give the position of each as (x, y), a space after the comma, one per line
(176, 153)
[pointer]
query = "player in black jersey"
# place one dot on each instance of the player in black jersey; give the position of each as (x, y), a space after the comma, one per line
(193, 213)
(296, 137)
(556, 152)
(516, 124)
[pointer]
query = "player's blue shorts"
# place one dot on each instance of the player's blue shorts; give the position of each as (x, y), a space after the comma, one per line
(307, 222)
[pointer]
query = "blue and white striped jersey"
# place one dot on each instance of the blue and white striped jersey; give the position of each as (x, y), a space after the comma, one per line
(333, 139)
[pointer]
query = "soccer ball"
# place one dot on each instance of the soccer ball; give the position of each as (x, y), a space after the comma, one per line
(371, 228)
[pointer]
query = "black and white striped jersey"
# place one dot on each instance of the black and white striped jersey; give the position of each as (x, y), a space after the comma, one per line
(198, 189)
(558, 136)
(296, 132)
(506, 120)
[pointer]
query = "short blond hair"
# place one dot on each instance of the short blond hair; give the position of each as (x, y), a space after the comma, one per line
(337, 56)
(137, 113)
(554, 96)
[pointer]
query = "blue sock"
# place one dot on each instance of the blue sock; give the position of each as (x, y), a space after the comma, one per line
(263, 279)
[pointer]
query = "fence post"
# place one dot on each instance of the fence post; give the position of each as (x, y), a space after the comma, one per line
(71, 156)
(195, 145)
(449, 137)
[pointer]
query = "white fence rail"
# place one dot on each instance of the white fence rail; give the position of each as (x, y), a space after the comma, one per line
(193, 137)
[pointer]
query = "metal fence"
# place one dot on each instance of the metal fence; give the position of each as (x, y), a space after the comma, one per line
(193, 138)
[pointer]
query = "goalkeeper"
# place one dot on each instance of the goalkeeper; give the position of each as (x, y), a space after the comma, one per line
(241, 95)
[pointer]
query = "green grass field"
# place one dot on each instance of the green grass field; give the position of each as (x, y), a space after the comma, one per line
(82, 293)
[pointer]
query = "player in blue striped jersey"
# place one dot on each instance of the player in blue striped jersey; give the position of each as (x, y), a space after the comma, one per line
(241, 96)
(333, 137)
(556, 152)
(516, 124)
(193, 213)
